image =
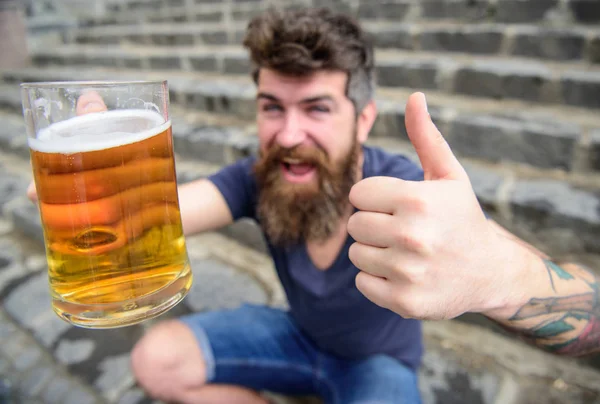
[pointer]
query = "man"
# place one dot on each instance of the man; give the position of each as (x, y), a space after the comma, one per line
(314, 76)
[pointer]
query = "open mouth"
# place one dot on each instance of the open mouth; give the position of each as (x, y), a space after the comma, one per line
(296, 170)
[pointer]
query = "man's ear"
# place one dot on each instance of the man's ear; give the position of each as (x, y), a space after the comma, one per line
(365, 121)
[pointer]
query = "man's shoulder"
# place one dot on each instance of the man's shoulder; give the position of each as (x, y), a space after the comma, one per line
(380, 162)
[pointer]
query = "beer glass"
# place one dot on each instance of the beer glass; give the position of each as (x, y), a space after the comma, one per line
(104, 172)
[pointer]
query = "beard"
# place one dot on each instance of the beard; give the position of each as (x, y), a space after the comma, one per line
(289, 212)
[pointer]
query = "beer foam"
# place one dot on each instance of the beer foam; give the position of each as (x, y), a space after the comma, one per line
(99, 131)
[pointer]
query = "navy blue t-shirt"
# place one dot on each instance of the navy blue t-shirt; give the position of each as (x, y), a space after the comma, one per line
(326, 304)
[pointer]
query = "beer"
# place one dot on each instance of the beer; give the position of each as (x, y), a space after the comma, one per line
(108, 202)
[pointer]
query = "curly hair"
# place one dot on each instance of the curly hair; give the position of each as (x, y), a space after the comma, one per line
(300, 42)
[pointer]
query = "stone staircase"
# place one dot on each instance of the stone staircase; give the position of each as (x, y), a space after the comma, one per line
(514, 85)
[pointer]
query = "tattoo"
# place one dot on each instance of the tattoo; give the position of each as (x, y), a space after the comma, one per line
(558, 319)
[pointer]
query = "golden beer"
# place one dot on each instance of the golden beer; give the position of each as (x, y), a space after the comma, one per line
(107, 191)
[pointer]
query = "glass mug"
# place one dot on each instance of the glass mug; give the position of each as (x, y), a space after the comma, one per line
(108, 202)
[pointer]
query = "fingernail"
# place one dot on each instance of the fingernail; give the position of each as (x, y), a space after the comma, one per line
(425, 102)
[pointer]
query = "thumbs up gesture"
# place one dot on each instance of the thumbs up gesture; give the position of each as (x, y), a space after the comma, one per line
(425, 249)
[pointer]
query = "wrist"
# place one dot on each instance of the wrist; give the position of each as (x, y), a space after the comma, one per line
(522, 270)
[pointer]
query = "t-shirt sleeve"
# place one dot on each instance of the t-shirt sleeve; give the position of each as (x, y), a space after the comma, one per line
(392, 165)
(237, 184)
(404, 168)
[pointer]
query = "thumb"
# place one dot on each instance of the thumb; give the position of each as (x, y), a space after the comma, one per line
(435, 155)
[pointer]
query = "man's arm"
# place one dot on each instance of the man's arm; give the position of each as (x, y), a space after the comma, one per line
(562, 312)
(202, 207)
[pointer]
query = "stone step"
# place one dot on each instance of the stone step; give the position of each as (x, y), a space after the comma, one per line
(563, 12)
(531, 41)
(486, 77)
(565, 141)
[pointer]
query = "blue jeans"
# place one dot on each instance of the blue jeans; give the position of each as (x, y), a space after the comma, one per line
(262, 348)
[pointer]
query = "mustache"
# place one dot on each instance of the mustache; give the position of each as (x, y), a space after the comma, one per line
(314, 155)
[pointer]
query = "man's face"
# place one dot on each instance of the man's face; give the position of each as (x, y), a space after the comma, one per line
(308, 154)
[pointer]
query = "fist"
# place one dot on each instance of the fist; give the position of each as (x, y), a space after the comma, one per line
(425, 249)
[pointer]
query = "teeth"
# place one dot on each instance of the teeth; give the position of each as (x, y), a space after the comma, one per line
(292, 161)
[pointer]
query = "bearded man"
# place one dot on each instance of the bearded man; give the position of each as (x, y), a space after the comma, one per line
(315, 108)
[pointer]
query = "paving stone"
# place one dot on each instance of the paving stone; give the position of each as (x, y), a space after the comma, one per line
(556, 393)
(36, 263)
(14, 347)
(11, 187)
(466, 10)
(385, 9)
(26, 218)
(6, 228)
(537, 42)
(56, 390)
(48, 328)
(133, 396)
(214, 37)
(241, 146)
(444, 378)
(245, 15)
(5, 366)
(9, 130)
(11, 271)
(219, 286)
(595, 150)
(27, 358)
(397, 37)
(593, 51)
(29, 300)
(581, 89)
(544, 144)
(485, 184)
(484, 40)
(112, 346)
(519, 11)
(80, 396)
(165, 62)
(6, 391)
(35, 381)
(214, 16)
(407, 73)
(236, 65)
(546, 205)
(7, 328)
(503, 80)
(203, 63)
(586, 11)
(115, 377)
(247, 232)
(180, 39)
(208, 144)
(71, 352)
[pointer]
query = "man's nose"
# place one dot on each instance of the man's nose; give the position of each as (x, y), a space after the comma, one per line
(291, 134)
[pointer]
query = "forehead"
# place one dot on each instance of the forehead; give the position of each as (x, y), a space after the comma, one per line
(291, 88)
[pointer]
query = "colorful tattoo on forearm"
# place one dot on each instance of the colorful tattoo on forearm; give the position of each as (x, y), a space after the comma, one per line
(552, 332)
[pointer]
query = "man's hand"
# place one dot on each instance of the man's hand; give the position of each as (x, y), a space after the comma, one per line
(87, 103)
(425, 249)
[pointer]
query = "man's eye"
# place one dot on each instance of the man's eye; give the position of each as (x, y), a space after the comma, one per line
(271, 107)
(318, 108)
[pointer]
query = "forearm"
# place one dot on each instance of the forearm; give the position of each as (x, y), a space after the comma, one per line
(202, 207)
(561, 311)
